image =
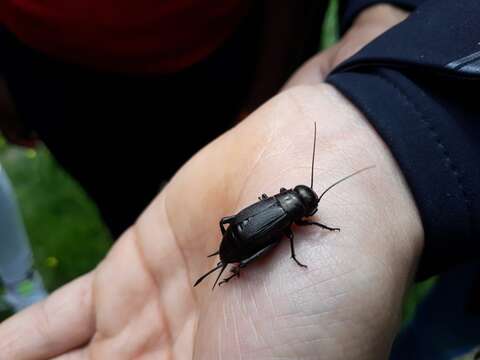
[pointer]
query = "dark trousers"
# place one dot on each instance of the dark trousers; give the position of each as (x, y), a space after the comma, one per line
(119, 135)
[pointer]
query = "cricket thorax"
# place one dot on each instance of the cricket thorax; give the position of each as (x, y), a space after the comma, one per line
(292, 204)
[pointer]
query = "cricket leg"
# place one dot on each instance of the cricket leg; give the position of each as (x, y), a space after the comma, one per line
(289, 234)
(236, 270)
(225, 220)
(305, 223)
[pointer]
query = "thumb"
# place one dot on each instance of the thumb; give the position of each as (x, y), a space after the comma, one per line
(64, 321)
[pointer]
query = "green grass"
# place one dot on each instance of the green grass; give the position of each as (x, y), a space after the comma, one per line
(415, 295)
(67, 236)
(330, 28)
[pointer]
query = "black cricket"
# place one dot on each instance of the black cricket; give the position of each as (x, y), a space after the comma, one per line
(262, 225)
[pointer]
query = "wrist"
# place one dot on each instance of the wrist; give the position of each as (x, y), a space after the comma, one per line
(372, 260)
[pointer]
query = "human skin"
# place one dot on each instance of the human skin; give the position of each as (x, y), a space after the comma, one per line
(139, 302)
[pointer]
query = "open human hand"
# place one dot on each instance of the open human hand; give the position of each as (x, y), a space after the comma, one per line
(139, 302)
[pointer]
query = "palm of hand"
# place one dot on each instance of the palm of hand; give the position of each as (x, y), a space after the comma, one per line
(140, 304)
(144, 301)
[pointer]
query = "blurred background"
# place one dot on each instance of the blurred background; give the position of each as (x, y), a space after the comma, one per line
(66, 233)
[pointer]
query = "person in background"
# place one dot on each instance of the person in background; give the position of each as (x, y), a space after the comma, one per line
(22, 283)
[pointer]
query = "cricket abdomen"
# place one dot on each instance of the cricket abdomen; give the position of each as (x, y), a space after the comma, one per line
(240, 242)
(260, 225)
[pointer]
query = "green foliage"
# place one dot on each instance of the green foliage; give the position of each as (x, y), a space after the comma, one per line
(330, 28)
(415, 295)
(67, 236)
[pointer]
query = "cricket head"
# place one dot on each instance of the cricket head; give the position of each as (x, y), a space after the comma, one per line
(308, 197)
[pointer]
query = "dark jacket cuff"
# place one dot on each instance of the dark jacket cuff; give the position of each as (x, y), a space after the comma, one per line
(434, 154)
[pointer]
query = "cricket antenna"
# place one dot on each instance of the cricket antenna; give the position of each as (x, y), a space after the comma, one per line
(345, 178)
(219, 265)
(313, 155)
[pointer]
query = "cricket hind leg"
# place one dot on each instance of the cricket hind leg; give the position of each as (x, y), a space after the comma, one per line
(289, 234)
(244, 263)
(223, 221)
(215, 253)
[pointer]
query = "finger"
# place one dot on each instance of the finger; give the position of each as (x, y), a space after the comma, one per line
(62, 322)
(78, 354)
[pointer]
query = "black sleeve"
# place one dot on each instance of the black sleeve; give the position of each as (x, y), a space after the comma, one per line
(349, 9)
(419, 86)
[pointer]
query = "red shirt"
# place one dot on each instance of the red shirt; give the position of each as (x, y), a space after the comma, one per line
(134, 36)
